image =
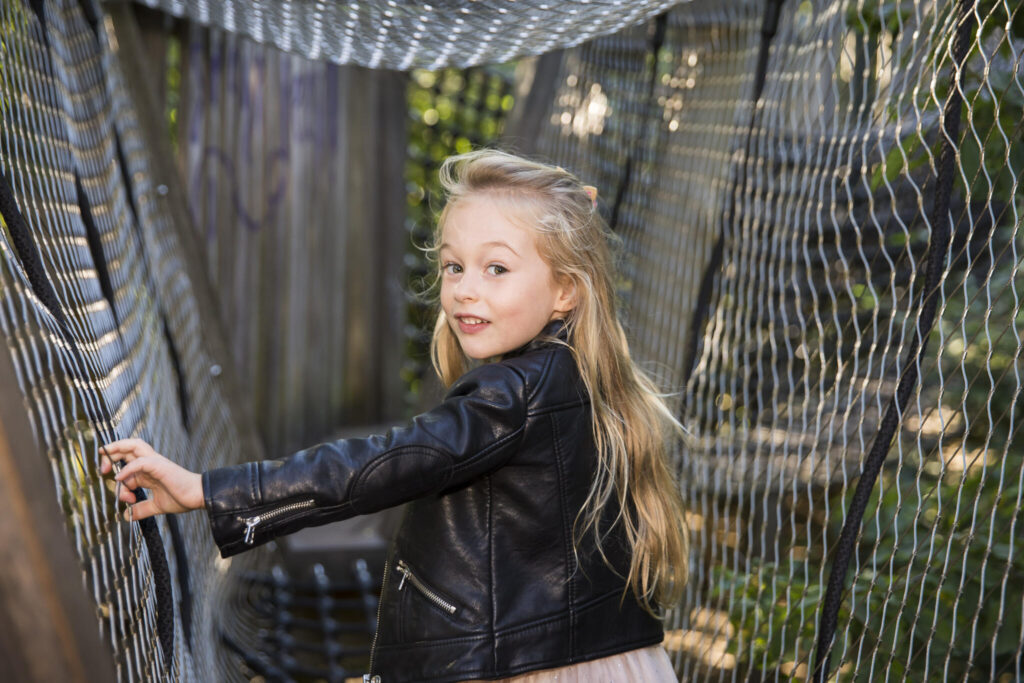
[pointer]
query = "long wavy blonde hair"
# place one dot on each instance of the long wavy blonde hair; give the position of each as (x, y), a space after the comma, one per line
(632, 425)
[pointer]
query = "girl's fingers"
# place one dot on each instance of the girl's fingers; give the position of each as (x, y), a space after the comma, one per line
(139, 481)
(126, 449)
(142, 510)
(107, 464)
(133, 469)
(127, 493)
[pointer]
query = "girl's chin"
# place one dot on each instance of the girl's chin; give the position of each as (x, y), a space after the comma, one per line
(483, 353)
(475, 354)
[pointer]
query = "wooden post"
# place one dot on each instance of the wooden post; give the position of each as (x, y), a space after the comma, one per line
(392, 117)
(376, 238)
(535, 91)
(49, 630)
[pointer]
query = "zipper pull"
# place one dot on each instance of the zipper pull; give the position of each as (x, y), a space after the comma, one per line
(250, 528)
(367, 678)
(404, 571)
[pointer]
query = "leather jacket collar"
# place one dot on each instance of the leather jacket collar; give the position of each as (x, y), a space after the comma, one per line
(557, 329)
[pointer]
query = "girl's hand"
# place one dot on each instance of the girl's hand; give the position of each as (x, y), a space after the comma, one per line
(174, 488)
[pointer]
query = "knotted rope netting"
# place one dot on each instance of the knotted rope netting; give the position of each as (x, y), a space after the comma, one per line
(780, 172)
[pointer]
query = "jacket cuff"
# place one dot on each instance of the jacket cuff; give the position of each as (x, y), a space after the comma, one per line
(241, 518)
(229, 494)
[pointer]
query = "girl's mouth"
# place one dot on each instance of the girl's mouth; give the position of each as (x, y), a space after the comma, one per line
(469, 324)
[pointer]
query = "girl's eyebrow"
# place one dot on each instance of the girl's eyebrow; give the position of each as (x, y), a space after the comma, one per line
(499, 243)
(493, 243)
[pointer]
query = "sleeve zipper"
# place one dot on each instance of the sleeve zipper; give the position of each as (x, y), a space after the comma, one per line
(252, 522)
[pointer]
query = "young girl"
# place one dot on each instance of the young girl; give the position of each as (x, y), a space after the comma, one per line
(545, 529)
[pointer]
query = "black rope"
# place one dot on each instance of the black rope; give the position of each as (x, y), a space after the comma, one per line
(126, 179)
(657, 39)
(95, 240)
(32, 262)
(26, 251)
(92, 15)
(154, 544)
(184, 581)
(172, 347)
(177, 542)
(929, 304)
(769, 26)
(40, 11)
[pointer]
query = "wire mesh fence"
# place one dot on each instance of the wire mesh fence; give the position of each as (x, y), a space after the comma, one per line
(776, 246)
(817, 257)
(101, 322)
(403, 36)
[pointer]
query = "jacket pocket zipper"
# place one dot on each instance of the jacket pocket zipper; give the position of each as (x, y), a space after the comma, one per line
(425, 590)
(252, 522)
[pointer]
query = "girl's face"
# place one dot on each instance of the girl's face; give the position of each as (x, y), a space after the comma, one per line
(496, 290)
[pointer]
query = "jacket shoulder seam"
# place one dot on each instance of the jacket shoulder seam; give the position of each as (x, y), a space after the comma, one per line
(556, 407)
(389, 455)
(543, 377)
(462, 464)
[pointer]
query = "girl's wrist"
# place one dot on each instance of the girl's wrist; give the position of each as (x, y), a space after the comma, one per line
(197, 500)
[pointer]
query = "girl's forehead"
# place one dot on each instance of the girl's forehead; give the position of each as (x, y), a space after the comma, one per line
(483, 219)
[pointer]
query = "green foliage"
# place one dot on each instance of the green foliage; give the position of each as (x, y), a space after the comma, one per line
(930, 600)
(936, 566)
(772, 608)
(172, 89)
(14, 25)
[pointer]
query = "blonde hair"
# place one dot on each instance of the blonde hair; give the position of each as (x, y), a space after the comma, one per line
(631, 422)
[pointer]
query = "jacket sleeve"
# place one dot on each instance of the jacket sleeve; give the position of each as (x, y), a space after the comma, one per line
(473, 431)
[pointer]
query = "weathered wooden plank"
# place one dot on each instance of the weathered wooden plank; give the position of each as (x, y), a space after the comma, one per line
(393, 119)
(296, 175)
(534, 94)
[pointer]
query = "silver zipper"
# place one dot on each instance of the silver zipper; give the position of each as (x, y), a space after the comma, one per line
(423, 588)
(252, 522)
(370, 678)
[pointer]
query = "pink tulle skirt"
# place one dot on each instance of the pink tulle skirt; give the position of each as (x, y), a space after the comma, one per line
(649, 664)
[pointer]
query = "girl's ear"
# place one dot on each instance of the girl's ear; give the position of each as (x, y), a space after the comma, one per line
(565, 300)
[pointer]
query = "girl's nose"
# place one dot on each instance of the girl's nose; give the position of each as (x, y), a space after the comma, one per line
(466, 288)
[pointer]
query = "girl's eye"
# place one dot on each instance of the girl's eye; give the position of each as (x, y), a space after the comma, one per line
(452, 268)
(495, 269)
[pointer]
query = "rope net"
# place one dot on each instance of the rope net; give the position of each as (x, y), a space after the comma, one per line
(404, 35)
(820, 208)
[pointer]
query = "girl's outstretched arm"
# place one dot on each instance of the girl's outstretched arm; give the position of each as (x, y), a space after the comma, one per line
(174, 488)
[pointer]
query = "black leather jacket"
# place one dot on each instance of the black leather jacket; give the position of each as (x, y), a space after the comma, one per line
(482, 580)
